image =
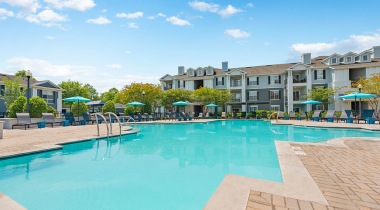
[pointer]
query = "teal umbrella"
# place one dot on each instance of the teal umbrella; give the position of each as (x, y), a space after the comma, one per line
(181, 103)
(358, 95)
(76, 99)
(311, 102)
(213, 105)
(135, 103)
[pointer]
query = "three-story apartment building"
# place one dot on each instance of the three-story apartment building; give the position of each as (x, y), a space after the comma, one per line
(281, 86)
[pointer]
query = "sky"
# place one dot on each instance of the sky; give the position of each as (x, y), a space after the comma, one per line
(112, 43)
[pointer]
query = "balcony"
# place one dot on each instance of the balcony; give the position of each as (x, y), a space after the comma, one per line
(299, 80)
(219, 83)
(236, 83)
(252, 98)
(236, 100)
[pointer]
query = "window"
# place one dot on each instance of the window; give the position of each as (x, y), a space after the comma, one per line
(320, 74)
(277, 79)
(237, 97)
(333, 61)
(296, 95)
(219, 81)
(252, 96)
(274, 94)
(348, 59)
(2, 89)
(275, 107)
(253, 108)
(48, 96)
(236, 83)
(253, 81)
(365, 57)
(319, 107)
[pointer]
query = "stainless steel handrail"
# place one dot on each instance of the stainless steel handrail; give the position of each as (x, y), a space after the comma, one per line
(97, 123)
(118, 120)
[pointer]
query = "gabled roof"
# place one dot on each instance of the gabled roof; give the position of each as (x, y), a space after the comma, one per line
(236, 70)
(299, 64)
(333, 55)
(366, 51)
(46, 83)
(350, 53)
(374, 62)
(166, 75)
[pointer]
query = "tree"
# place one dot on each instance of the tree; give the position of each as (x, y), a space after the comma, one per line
(371, 85)
(173, 95)
(109, 106)
(134, 92)
(51, 109)
(12, 91)
(37, 106)
(110, 95)
(22, 73)
(321, 94)
(18, 106)
(74, 88)
(207, 95)
(94, 95)
(78, 111)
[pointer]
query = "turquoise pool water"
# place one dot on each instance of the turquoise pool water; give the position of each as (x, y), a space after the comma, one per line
(165, 166)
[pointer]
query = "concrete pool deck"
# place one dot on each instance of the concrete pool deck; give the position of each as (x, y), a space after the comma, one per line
(343, 174)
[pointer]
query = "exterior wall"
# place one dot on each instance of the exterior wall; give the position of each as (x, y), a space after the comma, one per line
(208, 83)
(372, 70)
(189, 85)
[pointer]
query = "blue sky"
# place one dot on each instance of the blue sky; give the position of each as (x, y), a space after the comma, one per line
(110, 43)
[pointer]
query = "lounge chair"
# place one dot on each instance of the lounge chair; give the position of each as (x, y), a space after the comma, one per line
(182, 114)
(292, 115)
(346, 115)
(254, 115)
(264, 115)
(188, 116)
(207, 115)
(223, 115)
(366, 115)
(280, 115)
(316, 116)
(330, 116)
(139, 117)
(49, 119)
(147, 118)
(200, 116)
(235, 115)
(23, 119)
(304, 116)
(87, 118)
(70, 117)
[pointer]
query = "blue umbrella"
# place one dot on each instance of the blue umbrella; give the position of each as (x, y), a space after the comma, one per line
(135, 103)
(76, 99)
(180, 103)
(358, 95)
(213, 105)
(311, 102)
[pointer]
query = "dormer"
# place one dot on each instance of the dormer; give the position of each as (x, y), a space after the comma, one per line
(190, 72)
(209, 70)
(365, 56)
(200, 72)
(349, 58)
(333, 59)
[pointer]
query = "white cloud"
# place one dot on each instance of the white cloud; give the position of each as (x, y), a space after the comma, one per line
(50, 37)
(229, 11)
(158, 15)
(133, 25)
(29, 6)
(101, 20)
(176, 21)
(104, 10)
(81, 5)
(204, 7)
(130, 15)
(249, 5)
(161, 14)
(4, 14)
(236, 33)
(47, 18)
(114, 66)
(354, 43)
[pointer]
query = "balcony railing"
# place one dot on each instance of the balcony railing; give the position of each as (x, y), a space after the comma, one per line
(252, 98)
(219, 83)
(236, 100)
(235, 83)
(299, 80)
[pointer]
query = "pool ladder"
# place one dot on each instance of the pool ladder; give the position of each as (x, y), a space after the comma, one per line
(110, 114)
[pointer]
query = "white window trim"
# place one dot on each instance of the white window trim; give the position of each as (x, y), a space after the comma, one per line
(274, 98)
(332, 60)
(319, 74)
(253, 95)
(253, 108)
(275, 107)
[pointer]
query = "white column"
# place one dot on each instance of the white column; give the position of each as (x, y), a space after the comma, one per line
(290, 91)
(59, 103)
(243, 88)
(309, 80)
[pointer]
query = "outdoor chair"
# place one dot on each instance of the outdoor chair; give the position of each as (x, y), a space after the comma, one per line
(23, 119)
(303, 115)
(139, 117)
(292, 115)
(207, 115)
(235, 115)
(345, 116)
(253, 115)
(70, 117)
(330, 116)
(182, 114)
(200, 116)
(87, 117)
(264, 115)
(223, 115)
(280, 115)
(188, 116)
(147, 118)
(366, 115)
(316, 116)
(171, 116)
(49, 119)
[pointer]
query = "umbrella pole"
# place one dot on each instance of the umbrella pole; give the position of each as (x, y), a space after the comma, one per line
(78, 110)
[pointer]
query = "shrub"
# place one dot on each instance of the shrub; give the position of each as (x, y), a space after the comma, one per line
(129, 110)
(51, 109)
(77, 110)
(109, 106)
(18, 106)
(37, 106)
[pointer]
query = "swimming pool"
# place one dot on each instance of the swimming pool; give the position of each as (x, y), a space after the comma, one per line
(165, 166)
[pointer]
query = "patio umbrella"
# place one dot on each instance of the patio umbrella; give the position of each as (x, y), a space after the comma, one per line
(76, 99)
(357, 95)
(135, 103)
(311, 102)
(181, 103)
(213, 105)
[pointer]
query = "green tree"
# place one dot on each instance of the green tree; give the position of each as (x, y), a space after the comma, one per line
(134, 92)
(207, 95)
(37, 106)
(12, 91)
(168, 97)
(94, 95)
(371, 85)
(73, 88)
(110, 95)
(18, 106)
(109, 106)
(322, 94)
(51, 109)
(129, 110)
(78, 109)
(22, 73)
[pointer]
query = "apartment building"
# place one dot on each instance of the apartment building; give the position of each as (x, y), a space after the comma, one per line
(280, 86)
(45, 89)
